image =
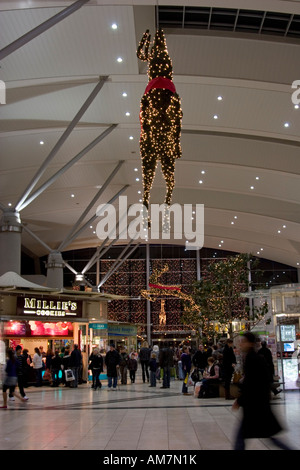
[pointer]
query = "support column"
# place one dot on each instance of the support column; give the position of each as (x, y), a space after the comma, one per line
(198, 265)
(149, 339)
(10, 242)
(55, 270)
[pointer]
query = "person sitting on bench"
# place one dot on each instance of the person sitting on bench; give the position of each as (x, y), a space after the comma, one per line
(211, 376)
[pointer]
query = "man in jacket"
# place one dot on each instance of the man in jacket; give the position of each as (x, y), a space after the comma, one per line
(200, 359)
(166, 361)
(228, 364)
(144, 357)
(75, 363)
(112, 361)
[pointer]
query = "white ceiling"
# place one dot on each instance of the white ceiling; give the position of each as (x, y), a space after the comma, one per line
(48, 80)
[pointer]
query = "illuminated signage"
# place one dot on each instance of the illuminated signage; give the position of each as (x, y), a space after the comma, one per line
(48, 307)
(37, 328)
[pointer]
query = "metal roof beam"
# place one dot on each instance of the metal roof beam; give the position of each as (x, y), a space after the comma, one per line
(68, 240)
(20, 205)
(21, 41)
(68, 165)
(91, 204)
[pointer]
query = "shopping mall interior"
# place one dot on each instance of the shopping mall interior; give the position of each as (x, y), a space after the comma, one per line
(145, 144)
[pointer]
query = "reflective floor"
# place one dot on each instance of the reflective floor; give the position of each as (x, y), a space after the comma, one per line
(134, 417)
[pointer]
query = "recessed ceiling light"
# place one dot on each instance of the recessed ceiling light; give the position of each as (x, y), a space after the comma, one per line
(119, 59)
(220, 245)
(136, 169)
(284, 226)
(286, 124)
(232, 223)
(216, 116)
(298, 264)
(235, 217)
(222, 241)
(137, 179)
(9, 204)
(139, 192)
(131, 137)
(200, 181)
(220, 98)
(279, 231)
(257, 178)
(42, 142)
(114, 26)
(296, 106)
(124, 94)
(203, 172)
(91, 226)
(251, 187)
(127, 113)
(72, 195)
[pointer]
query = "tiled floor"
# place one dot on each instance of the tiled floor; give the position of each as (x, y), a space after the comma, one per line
(134, 417)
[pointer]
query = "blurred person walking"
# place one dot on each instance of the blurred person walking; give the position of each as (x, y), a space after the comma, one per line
(258, 420)
(11, 378)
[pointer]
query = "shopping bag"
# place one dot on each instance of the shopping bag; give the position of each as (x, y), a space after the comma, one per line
(69, 375)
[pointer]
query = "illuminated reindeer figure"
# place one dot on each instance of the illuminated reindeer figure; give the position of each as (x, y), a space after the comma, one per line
(160, 116)
(156, 289)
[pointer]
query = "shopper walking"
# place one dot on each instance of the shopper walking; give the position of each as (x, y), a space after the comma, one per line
(153, 366)
(55, 368)
(228, 365)
(37, 363)
(132, 367)
(123, 365)
(112, 361)
(186, 362)
(258, 420)
(75, 363)
(11, 378)
(166, 362)
(144, 357)
(96, 366)
(21, 368)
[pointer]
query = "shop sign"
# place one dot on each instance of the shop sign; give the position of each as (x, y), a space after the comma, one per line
(122, 330)
(48, 307)
(98, 326)
(37, 328)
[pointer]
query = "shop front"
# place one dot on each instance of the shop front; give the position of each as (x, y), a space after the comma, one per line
(102, 334)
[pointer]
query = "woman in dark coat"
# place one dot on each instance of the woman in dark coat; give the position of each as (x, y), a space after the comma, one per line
(96, 366)
(258, 419)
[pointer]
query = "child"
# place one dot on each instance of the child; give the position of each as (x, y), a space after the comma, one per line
(153, 365)
(132, 367)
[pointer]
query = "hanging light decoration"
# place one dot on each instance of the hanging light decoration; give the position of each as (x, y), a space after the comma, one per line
(160, 116)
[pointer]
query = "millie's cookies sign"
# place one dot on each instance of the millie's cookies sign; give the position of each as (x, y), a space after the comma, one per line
(48, 307)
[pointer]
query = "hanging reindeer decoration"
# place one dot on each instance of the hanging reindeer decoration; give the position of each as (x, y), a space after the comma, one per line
(160, 116)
